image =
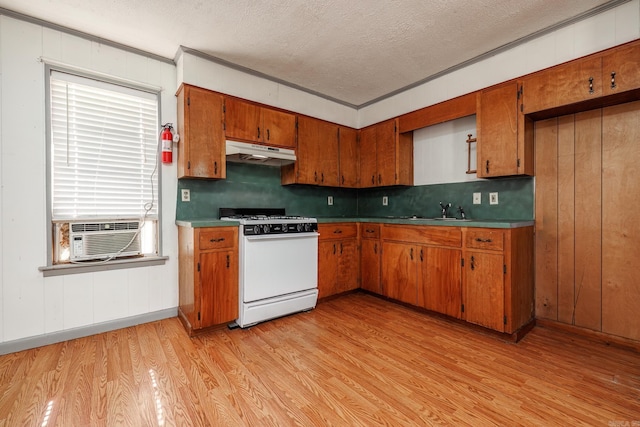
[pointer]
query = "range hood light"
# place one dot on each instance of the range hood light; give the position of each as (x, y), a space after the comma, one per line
(244, 152)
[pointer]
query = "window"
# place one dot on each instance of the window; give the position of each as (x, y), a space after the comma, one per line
(103, 169)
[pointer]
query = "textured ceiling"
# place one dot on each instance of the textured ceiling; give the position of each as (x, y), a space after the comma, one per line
(354, 51)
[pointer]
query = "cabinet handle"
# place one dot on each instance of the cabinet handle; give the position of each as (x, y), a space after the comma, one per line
(373, 179)
(221, 239)
(315, 176)
(258, 132)
(337, 231)
(613, 80)
(215, 168)
(411, 254)
(473, 263)
(228, 261)
(421, 256)
(341, 248)
(334, 248)
(590, 84)
(268, 135)
(487, 166)
(375, 248)
(379, 178)
(478, 239)
(342, 179)
(322, 177)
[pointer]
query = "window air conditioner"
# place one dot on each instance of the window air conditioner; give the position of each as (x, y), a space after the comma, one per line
(103, 240)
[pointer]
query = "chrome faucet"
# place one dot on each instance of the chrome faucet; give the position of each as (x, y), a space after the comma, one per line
(461, 212)
(445, 209)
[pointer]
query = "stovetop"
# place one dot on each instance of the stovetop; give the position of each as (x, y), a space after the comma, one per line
(262, 216)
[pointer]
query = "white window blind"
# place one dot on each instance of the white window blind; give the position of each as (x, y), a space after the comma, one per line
(104, 142)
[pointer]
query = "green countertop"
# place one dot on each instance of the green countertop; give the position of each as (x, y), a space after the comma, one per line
(487, 223)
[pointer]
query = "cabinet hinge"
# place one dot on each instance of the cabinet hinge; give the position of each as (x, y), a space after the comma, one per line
(504, 268)
(224, 125)
(505, 320)
(395, 128)
(224, 107)
(522, 108)
(188, 100)
(520, 92)
(462, 308)
(198, 315)
(462, 263)
(198, 266)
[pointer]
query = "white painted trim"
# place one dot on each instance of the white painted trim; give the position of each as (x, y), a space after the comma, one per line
(70, 334)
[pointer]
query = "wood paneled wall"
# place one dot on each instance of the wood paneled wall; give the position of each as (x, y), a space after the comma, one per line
(587, 224)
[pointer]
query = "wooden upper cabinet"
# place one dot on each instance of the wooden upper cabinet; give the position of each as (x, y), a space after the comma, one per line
(317, 154)
(505, 135)
(201, 151)
(566, 84)
(251, 122)
(621, 69)
(348, 162)
(386, 156)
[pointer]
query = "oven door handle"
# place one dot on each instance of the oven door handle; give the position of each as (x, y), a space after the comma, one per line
(282, 236)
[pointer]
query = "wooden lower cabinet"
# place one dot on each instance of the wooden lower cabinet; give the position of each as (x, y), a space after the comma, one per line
(370, 257)
(337, 257)
(497, 275)
(483, 276)
(208, 276)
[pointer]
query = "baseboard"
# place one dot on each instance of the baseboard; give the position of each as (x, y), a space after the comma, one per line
(85, 331)
(576, 331)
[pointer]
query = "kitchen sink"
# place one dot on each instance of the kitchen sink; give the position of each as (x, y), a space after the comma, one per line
(451, 219)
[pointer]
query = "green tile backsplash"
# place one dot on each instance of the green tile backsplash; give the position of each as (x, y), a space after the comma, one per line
(259, 186)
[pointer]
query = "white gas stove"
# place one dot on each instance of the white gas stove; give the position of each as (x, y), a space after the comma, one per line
(278, 269)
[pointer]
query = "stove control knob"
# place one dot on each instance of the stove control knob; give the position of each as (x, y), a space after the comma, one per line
(285, 228)
(265, 228)
(300, 227)
(307, 227)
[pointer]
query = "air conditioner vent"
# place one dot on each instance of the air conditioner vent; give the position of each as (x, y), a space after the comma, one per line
(102, 240)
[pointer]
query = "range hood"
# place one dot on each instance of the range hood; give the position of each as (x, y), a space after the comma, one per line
(245, 152)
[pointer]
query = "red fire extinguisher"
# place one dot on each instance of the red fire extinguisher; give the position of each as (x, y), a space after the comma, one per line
(167, 143)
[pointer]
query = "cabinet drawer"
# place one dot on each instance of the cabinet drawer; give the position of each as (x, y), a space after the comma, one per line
(370, 231)
(337, 231)
(218, 238)
(484, 239)
(426, 235)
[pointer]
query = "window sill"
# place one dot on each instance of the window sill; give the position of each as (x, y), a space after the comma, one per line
(116, 264)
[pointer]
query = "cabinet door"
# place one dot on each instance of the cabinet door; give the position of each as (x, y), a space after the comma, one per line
(621, 69)
(348, 157)
(201, 153)
(242, 120)
(327, 267)
(218, 288)
(279, 127)
(368, 164)
(498, 131)
(440, 287)
(399, 275)
(370, 265)
(327, 154)
(347, 278)
(484, 289)
(386, 153)
(308, 149)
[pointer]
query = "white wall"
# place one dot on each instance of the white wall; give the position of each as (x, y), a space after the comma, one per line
(599, 32)
(197, 71)
(30, 304)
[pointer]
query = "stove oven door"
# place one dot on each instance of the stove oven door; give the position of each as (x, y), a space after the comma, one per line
(275, 265)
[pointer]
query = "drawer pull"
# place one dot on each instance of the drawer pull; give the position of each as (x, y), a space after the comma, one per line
(338, 231)
(478, 239)
(221, 239)
(368, 230)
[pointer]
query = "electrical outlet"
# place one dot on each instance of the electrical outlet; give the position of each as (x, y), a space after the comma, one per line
(385, 200)
(186, 195)
(493, 198)
(330, 200)
(477, 198)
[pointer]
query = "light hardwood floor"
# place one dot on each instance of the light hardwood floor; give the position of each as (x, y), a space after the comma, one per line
(353, 361)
